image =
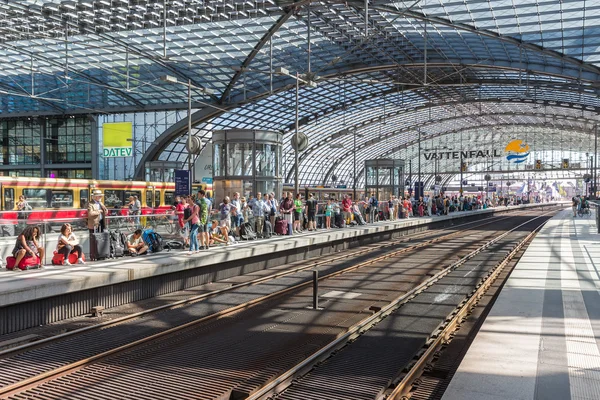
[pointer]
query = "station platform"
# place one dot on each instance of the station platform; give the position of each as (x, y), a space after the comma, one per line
(541, 339)
(58, 292)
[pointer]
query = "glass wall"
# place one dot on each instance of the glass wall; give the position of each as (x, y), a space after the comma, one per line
(21, 142)
(65, 141)
(384, 178)
(68, 141)
(246, 161)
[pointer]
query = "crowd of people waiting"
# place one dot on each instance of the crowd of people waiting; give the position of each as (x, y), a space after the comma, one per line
(201, 224)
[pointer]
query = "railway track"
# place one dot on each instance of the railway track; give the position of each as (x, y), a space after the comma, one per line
(161, 335)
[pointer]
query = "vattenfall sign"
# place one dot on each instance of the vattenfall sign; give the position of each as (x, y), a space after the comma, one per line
(516, 152)
(456, 155)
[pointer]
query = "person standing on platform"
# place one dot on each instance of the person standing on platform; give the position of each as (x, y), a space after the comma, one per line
(286, 207)
(236, 214)
(373, 204)
(203, 219)
(260, 209)
(311, 212)
(347, 209)
(194, 221)
(272, 202)
(298, 214)
(96, 213)
(328, 213)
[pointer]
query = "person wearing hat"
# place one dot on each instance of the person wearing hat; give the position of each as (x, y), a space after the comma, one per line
(96, 213)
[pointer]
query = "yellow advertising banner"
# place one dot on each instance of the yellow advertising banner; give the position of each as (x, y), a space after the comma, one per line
(117, 139)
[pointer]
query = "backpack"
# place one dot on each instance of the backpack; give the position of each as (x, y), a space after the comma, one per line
(153, 240)
(246, 232)
(187, 212)
(117, 248)
(374, 202)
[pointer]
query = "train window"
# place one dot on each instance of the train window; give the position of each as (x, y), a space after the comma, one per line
(36, 197)
(156, 198)
(129, 193)
(169, 198)
(149, 198)
(61, 199)
(113, 198)
(84, 195)
(9, 198)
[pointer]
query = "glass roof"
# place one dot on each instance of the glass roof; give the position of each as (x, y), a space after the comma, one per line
(437, 66)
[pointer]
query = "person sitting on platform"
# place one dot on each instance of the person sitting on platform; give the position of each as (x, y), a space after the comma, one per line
(27, 245)
(68, 243)
(135, 243)
(218, 234)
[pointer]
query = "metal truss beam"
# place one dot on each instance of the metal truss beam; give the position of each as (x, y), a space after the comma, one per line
(84, 75)
(261, 43)
(483, 32)
(348, 130)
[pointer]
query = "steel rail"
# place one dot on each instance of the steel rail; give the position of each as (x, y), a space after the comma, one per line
(68, 368)
(194, 299)
(439, 338)
(285, 380)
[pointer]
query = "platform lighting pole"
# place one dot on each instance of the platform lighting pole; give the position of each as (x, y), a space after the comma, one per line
(595, 189)
(354, 165)
(173, 80)
(296, 181)
(189, 138)
(419, 162)
(461, 173)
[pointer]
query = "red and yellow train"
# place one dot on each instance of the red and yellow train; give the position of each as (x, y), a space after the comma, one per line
(52, 198)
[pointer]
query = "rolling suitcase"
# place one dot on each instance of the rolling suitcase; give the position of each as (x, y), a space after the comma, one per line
(281, 226)
(99, 246)
(26, 263)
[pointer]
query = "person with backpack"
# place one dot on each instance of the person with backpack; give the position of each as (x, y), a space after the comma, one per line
(373, 204)
(194, 221)
(135, 244)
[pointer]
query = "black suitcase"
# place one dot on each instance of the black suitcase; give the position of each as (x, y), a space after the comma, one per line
(267, 230)
(339, 221)
(99, 246)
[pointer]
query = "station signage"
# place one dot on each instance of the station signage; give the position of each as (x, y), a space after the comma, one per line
(117, 139)
(457, 155)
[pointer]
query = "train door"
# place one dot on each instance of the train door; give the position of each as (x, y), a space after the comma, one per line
(84, 197)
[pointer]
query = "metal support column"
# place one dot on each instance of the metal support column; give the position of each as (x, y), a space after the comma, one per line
(189, 138)
(595, 187)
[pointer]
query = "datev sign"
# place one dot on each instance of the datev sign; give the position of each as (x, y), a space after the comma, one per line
(116, 139)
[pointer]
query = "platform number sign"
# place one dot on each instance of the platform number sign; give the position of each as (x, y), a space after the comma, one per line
(538, 164)
(565, 163)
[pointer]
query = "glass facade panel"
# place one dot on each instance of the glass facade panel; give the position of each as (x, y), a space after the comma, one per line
(371, 176)
(218, 167)
(68, 140)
